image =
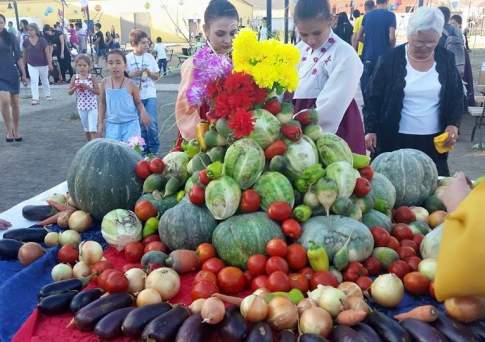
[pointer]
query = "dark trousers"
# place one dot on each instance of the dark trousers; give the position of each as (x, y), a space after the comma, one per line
(65, 65)
(162, 65)
(369, 66)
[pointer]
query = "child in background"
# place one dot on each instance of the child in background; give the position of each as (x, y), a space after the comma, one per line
(119, 102)
(161, 52)
(86, 90)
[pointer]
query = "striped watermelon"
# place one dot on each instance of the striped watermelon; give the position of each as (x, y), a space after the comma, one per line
(266, 128)
(412, 173)
(272, 187)
(332, 148)
(244, 162)
(382, 188)
(241, 236)
(376, 218)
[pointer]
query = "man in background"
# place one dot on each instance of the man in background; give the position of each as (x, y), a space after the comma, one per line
(369, 5)
(452, 40)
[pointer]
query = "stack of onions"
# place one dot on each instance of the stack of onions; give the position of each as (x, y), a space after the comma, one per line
(282, 313)
(254, 308)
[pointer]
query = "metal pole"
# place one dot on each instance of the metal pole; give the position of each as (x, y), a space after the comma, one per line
(16, 15)
(420, 3)
(268, 18)
(287, 5)
(89, 33)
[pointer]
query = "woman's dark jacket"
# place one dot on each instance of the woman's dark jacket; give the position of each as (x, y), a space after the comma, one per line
(385, 94)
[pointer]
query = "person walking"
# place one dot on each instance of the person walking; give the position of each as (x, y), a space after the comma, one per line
(161, 52)
(38, 58)
(108, 40)
(11, 61)
(369, 5)
(344, 28)
(99, 44)
(73, 37)
(82, 36)
(11, 29)
(378, 32)
(452, 40)
(415, 93)
(143, 69)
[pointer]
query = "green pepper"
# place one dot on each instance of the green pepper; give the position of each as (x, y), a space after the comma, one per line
(214, 170)
(318, 258)
(313, 173)
(382, 206)
(302, 212)
(301, 185)
(191, 147)
(180, 195)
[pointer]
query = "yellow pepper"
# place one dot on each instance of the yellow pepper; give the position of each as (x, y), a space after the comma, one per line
(318, 258)
(200, 130)
(439, 143)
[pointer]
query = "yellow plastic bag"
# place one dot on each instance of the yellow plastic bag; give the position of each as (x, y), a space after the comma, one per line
(439, 143)
(461, 260)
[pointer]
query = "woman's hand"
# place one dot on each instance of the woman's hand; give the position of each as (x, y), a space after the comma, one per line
(100, 132)
(452, 135)
(371, 141)
(50, 67)
(455, 192)
(145, 118)
(23, 78)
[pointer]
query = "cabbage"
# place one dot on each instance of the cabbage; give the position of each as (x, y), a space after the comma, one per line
(176, 165)
(344, 175)
(222, 197)
(244, 162)
(266, 128)
(430, 245)
(120, 227)
(299, 156)
(314, 131)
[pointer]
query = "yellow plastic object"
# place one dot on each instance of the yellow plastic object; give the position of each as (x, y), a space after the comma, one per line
(200, 130)
(439, 143)
(461, 259)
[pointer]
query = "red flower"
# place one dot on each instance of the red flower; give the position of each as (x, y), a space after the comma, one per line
(241, 122)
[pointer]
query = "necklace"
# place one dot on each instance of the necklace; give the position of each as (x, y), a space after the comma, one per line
(121, 85)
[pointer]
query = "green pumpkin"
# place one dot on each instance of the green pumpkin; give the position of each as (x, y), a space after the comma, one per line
(102, 177)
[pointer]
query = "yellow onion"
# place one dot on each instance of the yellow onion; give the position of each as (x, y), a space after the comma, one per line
(305, 304)
(29, 252)
(262, 292)
(282, 313)
(61, 272)
(355, 303)
(69, 237)
(465, 309)
(196, 306)
(387, 290)
(51, 239)
(213, 310)
(63, 219)
(147, 297)
(80, 221)
(165, 280)
(81, 270)
(316, 320)
(254, 308)
(90, 252)
(331, 300)
(350, 289)
(136, 280)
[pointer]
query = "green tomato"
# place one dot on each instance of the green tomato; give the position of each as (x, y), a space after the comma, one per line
(302, 212)
(151, 227)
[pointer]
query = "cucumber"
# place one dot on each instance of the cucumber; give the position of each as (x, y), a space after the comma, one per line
(87, 317)
(422, 331)
(164, 327)
(137, 319)
(37, 212)
(234, 327)
(57, 303)
(387, 328)
(60, 287)
(26, 234)
(84, 298)
(192, 330)
(110, 325)
(261, 333)
(9, 249)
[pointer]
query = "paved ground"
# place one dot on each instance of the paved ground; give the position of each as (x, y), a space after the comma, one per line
(53, 133)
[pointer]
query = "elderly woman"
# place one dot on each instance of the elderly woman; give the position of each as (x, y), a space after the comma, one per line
(415, 93)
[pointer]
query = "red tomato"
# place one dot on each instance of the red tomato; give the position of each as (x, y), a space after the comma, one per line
(393, 243)
(350, 275)
(127, 267)
(205, 251)
(402, 232)
(260, 282)
(155, 246)
(431, 290)
(213, 265)
(256, 264)
(278, 281)
(364, 283)
(203, 289)
(116, 282)
(416, 283)
(205, 276)
(307, 272)
(68, 254)
(279, 211)
(291, 228)
(142, 169)
(409, 243)
(101, 280)
(248, 276)
(418, 238)
(296, 256)
(399, 268)
(277, 247)
(133, 251)
(381, 236)
(357, 267)
(157, 165)
(151, 238)
(405, 252)
(250, 201)
(144, 209)
(203, 177)
(275, 149)
(367, 172)
(273, 106)
(413, 262)
(362, 187)
(231, 280)
(276, 263)
(373, 266)
(197, 195)
(323, 278)
(299, 281)
(101, 266)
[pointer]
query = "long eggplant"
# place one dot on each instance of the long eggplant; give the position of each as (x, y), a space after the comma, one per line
(387, 328)
(60, 287)
(37, 212)
(9, 249)
(234, 327)
(110, 325)
(455, 331)
(477, 329)
(164, 327)
(56, 304)
(87, 317)
(312, 338)
(193, 330)
(261, 332)
(366, 333)
(137, 319)
(26, 234)
(287, 336)
(84, 298)
(422, 331)
(342, 333)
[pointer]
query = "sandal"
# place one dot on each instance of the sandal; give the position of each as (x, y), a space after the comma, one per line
(7, 139)
(35, 102)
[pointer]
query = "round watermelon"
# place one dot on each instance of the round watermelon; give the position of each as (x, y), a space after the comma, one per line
(273, 187)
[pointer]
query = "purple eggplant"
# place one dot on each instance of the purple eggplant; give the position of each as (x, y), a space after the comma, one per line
(234, 327)
(422, 331)
(9, 249)
(387, 328)
(84, 298)
(366, 333)
(164, 327)
(110, 325)
(477, 329)
(455, 331)
(343, 333)
(137, 319)
(261, 332)
(312, 338)
(57, 303)
(192, 330)
(287, 336)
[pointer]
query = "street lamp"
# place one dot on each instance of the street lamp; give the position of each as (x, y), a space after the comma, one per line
(16, 12)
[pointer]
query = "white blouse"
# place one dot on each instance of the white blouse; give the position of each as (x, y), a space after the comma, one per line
(331, 76)
(420, 112)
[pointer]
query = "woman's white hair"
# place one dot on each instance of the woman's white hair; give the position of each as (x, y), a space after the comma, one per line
(426, 19)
